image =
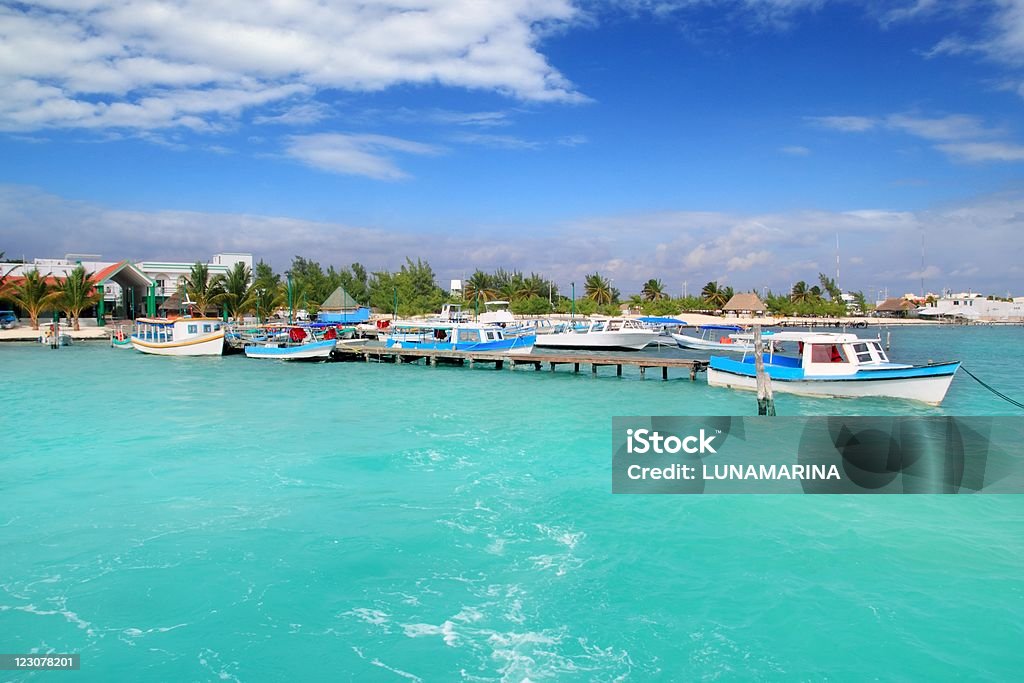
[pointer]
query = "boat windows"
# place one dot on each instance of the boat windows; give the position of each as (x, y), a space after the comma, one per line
(826, 353)
(863, 352)
(207, 328)
(192, 329)
(468, 336)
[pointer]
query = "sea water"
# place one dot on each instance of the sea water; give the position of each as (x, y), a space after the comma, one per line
(232, 519)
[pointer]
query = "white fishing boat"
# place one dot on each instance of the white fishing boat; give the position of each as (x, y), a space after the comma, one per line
(54, 334)
(718, 338)
(179, 336)
(497, 313)
(835, 365)
(607, 334)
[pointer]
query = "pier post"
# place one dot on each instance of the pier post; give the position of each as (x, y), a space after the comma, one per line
(765, 400)
(537, 366)
(433, 361)
(643, 372)
(693, 372)
(499, 364)
(575, 367)
(664, 372)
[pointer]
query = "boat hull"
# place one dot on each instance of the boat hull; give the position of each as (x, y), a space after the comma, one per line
(927, 384)
(314, 351)
(598, 341)
(696, 343)
(205, 345)
(513, 345)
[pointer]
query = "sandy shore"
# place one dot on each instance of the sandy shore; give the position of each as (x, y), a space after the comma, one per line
(25, 332)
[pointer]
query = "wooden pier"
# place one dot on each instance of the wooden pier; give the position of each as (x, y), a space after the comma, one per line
(514, 361)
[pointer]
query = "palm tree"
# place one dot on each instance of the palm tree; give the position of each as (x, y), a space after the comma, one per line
(800, 293)
(77, 293)
(201, 289)
(598, 289)
(714, 296)
(532, 286)
(480, 284)
(653, 290)
(33, 294)
(238, 293)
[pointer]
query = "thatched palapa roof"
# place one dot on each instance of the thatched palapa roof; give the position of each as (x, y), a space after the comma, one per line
(744, 302)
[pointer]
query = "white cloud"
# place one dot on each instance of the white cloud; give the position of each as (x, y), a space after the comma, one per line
(147, 63)
(352, 154)
(976, 152)
(795, 151)
(960, 136)
(747, 251)
(847, 124)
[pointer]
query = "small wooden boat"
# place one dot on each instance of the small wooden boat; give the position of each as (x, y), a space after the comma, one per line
(119, 339)
(836, 365)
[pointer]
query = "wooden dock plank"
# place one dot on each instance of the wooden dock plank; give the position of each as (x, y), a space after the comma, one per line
(500, 360)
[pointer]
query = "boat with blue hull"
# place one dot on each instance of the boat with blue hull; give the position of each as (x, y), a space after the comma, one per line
(458, 337)
(718, 338)
(835, 365)
(292, 343)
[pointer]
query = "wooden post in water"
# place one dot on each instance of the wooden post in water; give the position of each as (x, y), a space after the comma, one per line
(765, 401)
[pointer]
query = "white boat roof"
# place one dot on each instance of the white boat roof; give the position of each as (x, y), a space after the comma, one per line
(818, 337)
(495, 303)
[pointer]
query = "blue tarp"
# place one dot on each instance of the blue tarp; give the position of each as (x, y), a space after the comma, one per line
(360, 315)
(661, 321)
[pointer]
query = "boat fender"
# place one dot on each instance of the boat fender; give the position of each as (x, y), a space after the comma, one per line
(383, 324)
(725, 340)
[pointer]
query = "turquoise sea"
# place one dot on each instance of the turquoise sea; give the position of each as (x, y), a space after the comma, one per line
(228, 519)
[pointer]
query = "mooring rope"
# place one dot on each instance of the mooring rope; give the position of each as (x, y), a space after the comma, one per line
(993, 389)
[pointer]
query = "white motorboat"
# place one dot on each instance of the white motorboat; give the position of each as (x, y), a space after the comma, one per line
(608, 334)
(836, 364)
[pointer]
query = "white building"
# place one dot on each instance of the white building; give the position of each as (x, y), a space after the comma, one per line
(169, 275)
(969, 306)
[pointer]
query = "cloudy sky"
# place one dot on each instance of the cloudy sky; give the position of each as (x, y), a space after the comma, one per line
(687, 140)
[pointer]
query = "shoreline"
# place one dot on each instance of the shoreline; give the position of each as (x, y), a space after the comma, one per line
(90, 332)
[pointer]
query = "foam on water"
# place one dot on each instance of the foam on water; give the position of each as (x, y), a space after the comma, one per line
(196, 519)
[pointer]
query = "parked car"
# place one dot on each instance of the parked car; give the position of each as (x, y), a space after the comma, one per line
(8, 320)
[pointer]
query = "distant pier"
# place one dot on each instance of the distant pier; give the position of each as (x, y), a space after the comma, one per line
(514, 361)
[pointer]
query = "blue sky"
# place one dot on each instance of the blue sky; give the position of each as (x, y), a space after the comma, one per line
(687, 140)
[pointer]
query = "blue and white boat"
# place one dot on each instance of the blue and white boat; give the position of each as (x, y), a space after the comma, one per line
(717, 338)
(457, 337)
(292, 343)
(836, 365)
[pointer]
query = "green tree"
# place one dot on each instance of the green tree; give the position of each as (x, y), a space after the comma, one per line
(33, 294)
(238, 291)
(653, 290)
(202, 289)
(598, 289)
(76, 293)
(715, 296)
(267, 291)
(480, 284)
(829, 285)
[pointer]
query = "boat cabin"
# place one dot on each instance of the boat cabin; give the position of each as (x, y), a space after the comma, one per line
(161, 330)
(822, 354)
